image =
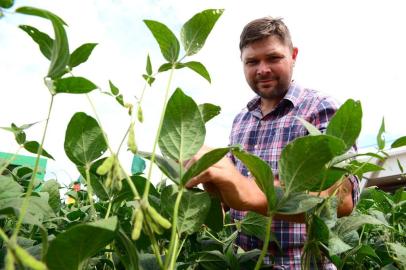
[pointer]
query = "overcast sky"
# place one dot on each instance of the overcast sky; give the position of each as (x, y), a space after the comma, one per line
(348, 49)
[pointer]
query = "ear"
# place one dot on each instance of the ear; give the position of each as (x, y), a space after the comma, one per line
(295, 51)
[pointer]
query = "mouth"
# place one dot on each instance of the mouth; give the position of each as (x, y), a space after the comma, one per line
(266, 81)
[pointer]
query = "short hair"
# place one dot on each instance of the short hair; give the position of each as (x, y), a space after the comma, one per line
(265, 27)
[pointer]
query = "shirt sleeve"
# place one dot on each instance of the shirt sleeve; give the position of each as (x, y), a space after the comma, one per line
(325, 110)
(323, 113)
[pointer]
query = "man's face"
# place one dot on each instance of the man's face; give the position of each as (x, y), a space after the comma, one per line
(268, 67)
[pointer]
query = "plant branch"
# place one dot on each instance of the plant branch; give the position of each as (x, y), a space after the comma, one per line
(8, 161)
(130, 183)
(26, 200)
(90, 190)
(265, 243)
(152, 160)
(169, 261)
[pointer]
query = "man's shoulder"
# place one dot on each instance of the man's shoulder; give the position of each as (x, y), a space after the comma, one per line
(318, 98)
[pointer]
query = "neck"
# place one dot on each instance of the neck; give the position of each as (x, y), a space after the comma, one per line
(268, 105)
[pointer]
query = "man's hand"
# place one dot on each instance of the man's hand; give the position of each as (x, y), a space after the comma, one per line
(241, 193)
(224, 180)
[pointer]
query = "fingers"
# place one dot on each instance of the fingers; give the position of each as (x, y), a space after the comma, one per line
(200, 179)
(203, 150)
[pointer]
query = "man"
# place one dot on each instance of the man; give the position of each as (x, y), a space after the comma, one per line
(264, 128)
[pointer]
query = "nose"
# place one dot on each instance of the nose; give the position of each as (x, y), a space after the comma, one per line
(263, 68)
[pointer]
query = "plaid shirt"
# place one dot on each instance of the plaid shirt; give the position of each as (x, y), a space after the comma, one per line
(266, 136)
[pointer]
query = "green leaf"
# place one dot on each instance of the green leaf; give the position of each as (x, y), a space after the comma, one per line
(336, 245)
(148, 262)
(389, 266)
(248, 255)
(73, 85)
(380, 139)
(168, 43)
(399, 253)
(346, 123)
(399, 142)
(38, 209)
(148, 67)
(399, 165)
(79, 243)
(305, 158)
(20, 137)
(193, 209)
(326, 178)
(351, 223)
(149, 79)
(296, 203)
(231, 259)
(380, 198)
(6, 3)
(196, 30)
(120, 100)
(60, 50)
(129, 257)
(52, 188)
(310, 128)
(44, 41)
(359, 168)
(84, 140)
(18, 132)
(206, 161)
(254, 224)
(262, 173)
(319, 230)
(212, 260)
(28, 260)
(368, 251)
(209, 111)
(183, 130)
(168, 66)
(81, 54)
(33, 147)
(199, 68)
(113, 89)
(348, 156)
(96, 181)
(9, 188)
(169, 167)
(215, 221)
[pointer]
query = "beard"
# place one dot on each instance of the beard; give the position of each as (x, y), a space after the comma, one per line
(273, 90)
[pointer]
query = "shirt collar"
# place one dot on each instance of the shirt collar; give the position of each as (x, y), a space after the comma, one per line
(292, 95)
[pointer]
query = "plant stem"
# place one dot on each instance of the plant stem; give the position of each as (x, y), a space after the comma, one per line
(230, 224)
(154, 243)
(3, 235)
(212, 236)
(266, 242)
(152, 160)
(169, 260)
(8, 161)
(132, 187)
(90, 191)
(130, 183)
(122, 141)
(181, 246)
(26, 200)
(108, 209)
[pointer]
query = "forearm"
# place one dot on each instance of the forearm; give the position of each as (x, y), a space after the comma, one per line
(344, 196)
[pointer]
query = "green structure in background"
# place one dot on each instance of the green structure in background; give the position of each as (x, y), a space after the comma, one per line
(138, 165)
(26, 161)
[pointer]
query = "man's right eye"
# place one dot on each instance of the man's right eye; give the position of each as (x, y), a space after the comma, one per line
(250, 62)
